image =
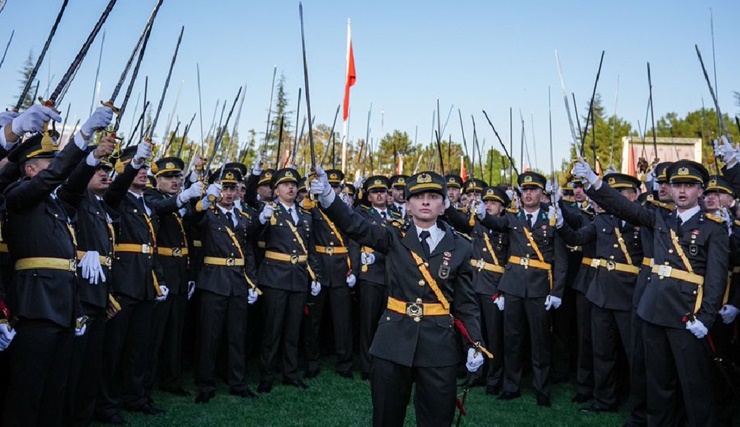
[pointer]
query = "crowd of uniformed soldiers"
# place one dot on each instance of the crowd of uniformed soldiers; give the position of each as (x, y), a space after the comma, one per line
(117, 268)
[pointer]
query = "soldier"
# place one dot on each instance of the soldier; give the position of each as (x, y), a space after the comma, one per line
(289, 270)
(398, 196)
(225, 286)
(373, 282)
(84, 190)
(490, 249)
(137, 287)
(532, 285)
(428, 266)
(616, 264)
(454, 187)
(42, 292)
(338, 280)
(173, 209)
(687, 283)
(473, 189)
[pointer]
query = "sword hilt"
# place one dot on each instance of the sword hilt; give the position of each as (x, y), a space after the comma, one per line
(110, 105)
(48, 103)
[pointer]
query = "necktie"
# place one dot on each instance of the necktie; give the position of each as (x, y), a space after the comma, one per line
(529, 220)
(140, 202)
(229, 218)
(424, 244)
(290, 212)
(382, 214)
(679, 222)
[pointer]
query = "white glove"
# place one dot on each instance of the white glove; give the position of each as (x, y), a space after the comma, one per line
(266, 213)
(724, 150)
(583, 170)
(81, 330)
(475, 360)
(555, 193)
(33, 119)
(367, 258)
(191, 289)
(100, 119)
(214, 190)
(92, 271)
(192, 192)
(611, 168)
(480, 210)
(143, 152)
(554, 212)
(252, 296)
(6, 335)
(697, 328)
(728, 312)
(500, 301)
(320, 186)
(552, 302)
(257, 166)
(351, 280)
(315, 288)
(7, 117)
(359, 181)
(165, 291)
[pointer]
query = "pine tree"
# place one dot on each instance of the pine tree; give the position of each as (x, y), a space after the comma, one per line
(25, 72)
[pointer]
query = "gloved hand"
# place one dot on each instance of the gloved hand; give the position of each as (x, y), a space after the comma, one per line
(165, 291)
(728, 312)
(7, 117)
(214, 190)
(611, 168)
(555, 193)
(725, 150)
(252, 296)
(552, 302)
(100, 119)
(192, 192)
(554, 212)
(315, 288)
(33, 119)
(480, 210)
(475, 360)
(191, 289)
(143, 153)
(320, 186)
(257, 166)
(92, 271)
(583, 170)
(6, 335)
(367, 258)
(267, 211)
(359, 181)
(81, 326)
(500, 301)
(447, 203)
(351, 280)
(697, 328)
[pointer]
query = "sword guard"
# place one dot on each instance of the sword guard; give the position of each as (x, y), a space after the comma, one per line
(110, 105)
(48, 103)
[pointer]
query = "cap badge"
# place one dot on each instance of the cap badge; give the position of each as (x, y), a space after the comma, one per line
(422, 179)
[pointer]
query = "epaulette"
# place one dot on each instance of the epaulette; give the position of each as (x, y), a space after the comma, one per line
(670, 206)
(306, 210)
(569, 199)
(715, 218)
(463, 235)
(512, 210)
(367, 208)
(398, 224)
(736, 222)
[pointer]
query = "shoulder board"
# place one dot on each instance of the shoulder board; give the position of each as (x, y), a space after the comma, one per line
(715, 218)
(668, 206)
(512, 211)
(367, 208)
(304, 210)
(457, 233)
(736, 222)
(397, 223)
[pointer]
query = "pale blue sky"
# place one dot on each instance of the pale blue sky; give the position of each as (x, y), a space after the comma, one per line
(474, 54)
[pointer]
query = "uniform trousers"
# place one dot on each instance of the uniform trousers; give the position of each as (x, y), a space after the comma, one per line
(517, 313)
(282, 324)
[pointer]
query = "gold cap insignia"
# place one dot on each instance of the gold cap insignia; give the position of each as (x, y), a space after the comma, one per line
(682, 171)
(490, 192)
(333, 175)
(423, 179)
(528, 178)
(229, 176)
(612, 181)
(403, 180)
(170, 165)
(288, 174)
(378, 182)
(268, 175)
(713, 183)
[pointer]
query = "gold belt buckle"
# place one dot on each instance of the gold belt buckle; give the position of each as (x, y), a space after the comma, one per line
(294, 259)
(230, 262)
(664, 271)
(595, 263)
(73, 265)
(177, 252)
(611, 265)
(329, 251)
(415, 311)
(524, 262)
(145, 249)
(480, 264)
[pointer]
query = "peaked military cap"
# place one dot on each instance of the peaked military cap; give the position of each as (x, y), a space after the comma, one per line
(376, 182)
(687, 171)
(425, 181)
(531, 179)
(266, 177)
(496, 194)
(285, 175)
(241, 167)
(34, 147)
(660, 171)
(472, 185)
(621, 180)
(399, 181)
(454, 181)
(169, 166)
(335, 176)
(718, 184)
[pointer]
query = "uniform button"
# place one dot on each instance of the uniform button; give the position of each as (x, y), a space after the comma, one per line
(485, 250)
(611, 256)
(529, 244)
(604, 230)
(387, 318)
(422, 283)
(426, 264)
(418, 300)
(670, 251)
(694, 292)
(616, 245)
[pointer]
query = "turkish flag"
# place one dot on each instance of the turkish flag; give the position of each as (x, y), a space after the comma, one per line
(351, 75)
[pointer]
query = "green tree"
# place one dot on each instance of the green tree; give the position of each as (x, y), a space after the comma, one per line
(605, 134)
(25, 73)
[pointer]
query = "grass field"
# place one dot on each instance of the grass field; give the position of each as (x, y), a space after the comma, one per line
(336, 401)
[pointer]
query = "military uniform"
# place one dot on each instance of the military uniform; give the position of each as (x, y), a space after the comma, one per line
(536, 269)
(688, 279)
(43, 291)
(416, 340)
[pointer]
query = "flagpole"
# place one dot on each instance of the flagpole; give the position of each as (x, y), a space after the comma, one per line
(348, 82)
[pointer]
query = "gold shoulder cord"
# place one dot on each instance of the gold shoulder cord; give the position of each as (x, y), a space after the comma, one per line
(154, 241)
(536, 248)
(424, 270)
(490, 248)
(303, 246)
(680, 252)
(622, 245)
(336, 233)
(235, 241)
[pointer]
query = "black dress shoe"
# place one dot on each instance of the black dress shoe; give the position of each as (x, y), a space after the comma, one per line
(581, 398)
(295, 382)
(365, 376)
(177, 391)
(205, 396)
(543, 400)
(311, 374)
(596, 409)
(346, 374)
(509, 395)
(245, 393)
(493, 390)
(114, 419)
(264, 387)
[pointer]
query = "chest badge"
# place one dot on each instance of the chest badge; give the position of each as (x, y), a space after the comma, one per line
(444, 269)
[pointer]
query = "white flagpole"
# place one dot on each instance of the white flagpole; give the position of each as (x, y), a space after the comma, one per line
(345, 123)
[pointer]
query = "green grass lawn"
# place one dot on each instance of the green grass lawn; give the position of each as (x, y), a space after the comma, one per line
(336, 401)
